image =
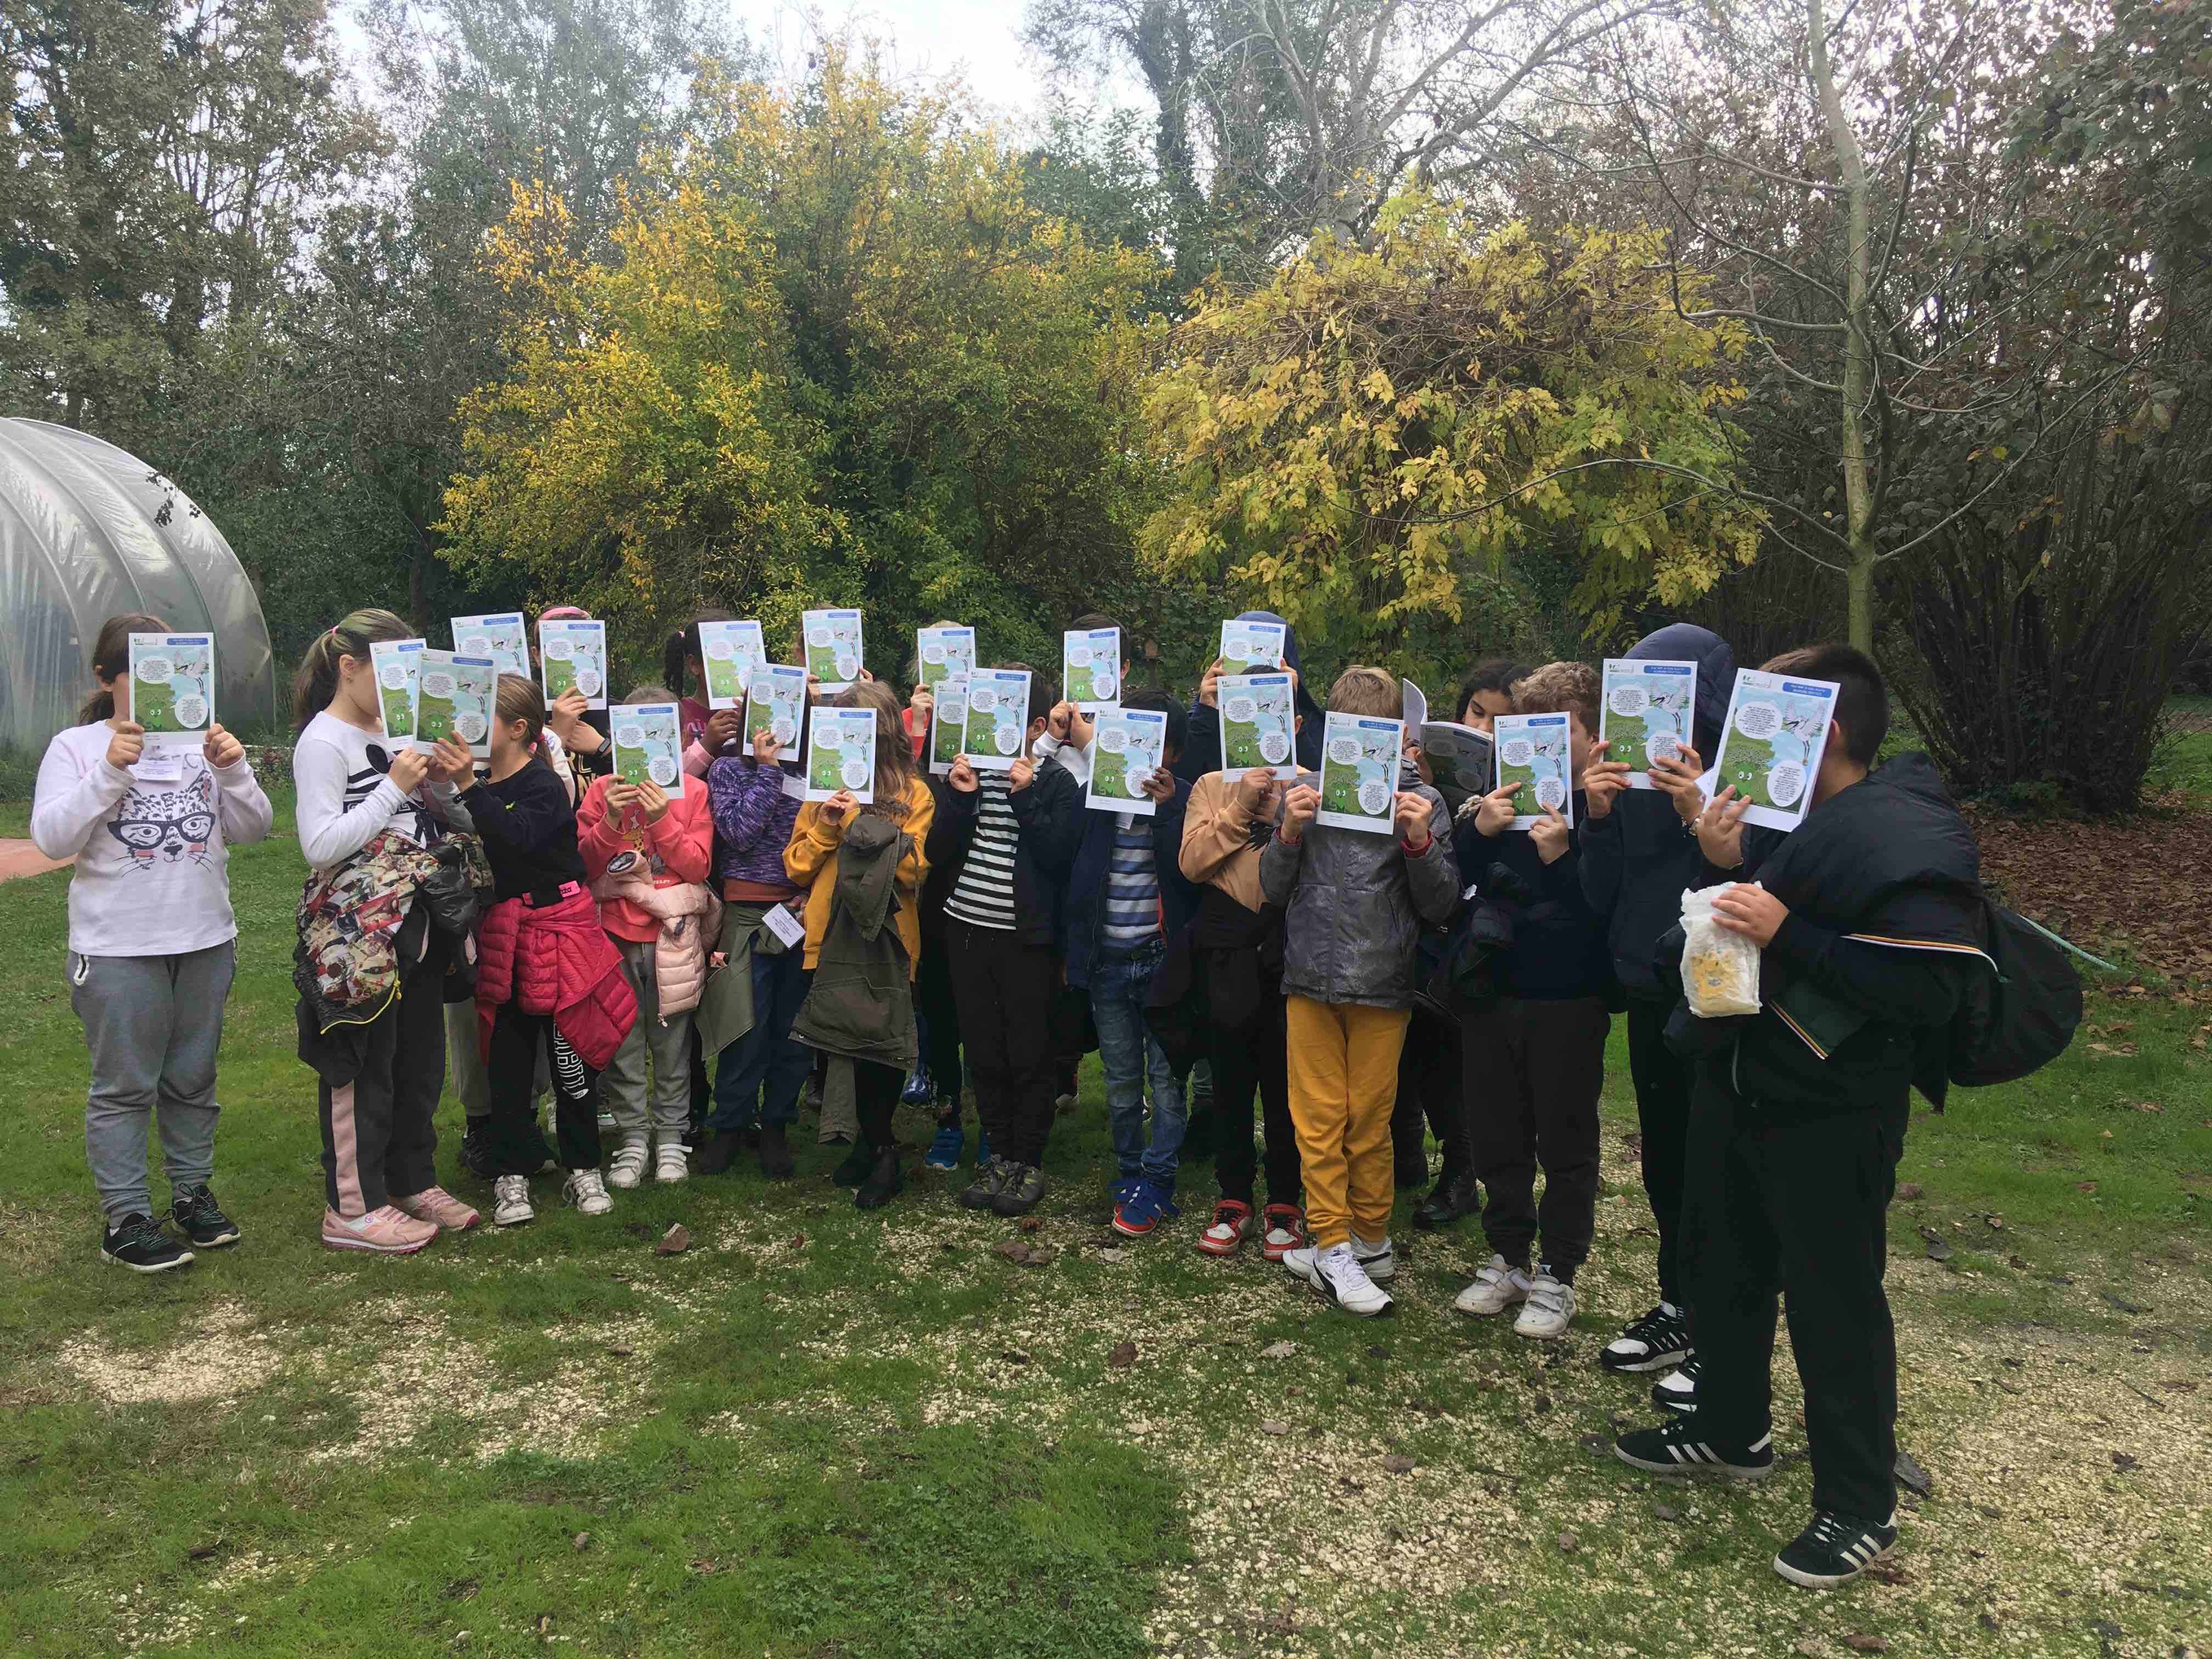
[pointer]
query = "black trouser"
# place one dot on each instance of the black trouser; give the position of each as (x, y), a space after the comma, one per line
(1249, 1058)
(1662, 1118)
(939, 1017)
(1780, 1202)
(875, 1098)
(511, 1072)
(701, 1095)
(1535, 1069)
(1005, 991)
(379, 1140)
(1431, 1083)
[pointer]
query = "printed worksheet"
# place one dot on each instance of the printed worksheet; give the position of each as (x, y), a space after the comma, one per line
(398, 665)
(455, 698)
(648, 743)
(1462, 760)
(997, 717)
(172, 688)
(1536, 752)
(1129, 746)
(948, 724)
(945, 654)
(1091, 667)
(1259, 724)
(1646, 713)
(502, 637)
(1251, 648)
(841, 754)
(1770, 748)
(775, 702)
(574, 653)
(730, 651)
(1358, 771)
(833, 647)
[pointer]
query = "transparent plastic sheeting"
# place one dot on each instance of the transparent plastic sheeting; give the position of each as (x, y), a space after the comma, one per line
(81, 540)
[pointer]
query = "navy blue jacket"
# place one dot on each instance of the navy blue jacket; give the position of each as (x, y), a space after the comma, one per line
(1092, 860)
(1201, 744)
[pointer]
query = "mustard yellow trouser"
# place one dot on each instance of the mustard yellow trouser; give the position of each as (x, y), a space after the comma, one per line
(1343, 1063)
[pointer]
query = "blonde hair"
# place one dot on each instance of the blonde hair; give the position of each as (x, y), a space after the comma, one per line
(317, 681)
(1560, 688)
(1371, 692)
(895, 771)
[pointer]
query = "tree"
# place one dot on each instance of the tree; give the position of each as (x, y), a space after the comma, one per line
(1366, 440)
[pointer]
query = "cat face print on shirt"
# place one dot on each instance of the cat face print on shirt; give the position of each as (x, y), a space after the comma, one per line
(163, 826)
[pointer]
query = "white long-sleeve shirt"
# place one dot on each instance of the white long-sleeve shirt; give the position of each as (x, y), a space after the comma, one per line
(151, 844)
(345, 800)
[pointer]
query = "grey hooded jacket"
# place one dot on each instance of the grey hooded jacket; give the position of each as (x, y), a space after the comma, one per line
(1354, 904)
(861, 1003)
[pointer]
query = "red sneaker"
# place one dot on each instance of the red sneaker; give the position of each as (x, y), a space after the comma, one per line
(1286, 1230)
(1232, 1225)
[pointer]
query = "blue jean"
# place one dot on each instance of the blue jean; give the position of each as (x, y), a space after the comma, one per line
(767, 1056)
(1128, 1053)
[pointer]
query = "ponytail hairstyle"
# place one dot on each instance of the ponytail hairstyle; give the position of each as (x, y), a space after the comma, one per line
(895, 771)
(317, 681)
(682, 646)
(111, 656)
(519, 699)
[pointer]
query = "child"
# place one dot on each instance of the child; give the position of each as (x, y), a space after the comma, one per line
(1127, 898)
(1638, 856)
(707, 732)
(1203, 754)
(1868, 921)
(1354, 903)
(849, 858)
(1536, 1056)
(1002, 942)
(549, 981)
(1488, 692)
(647, 854)
(1239, 949)
(153, 947)
(373, 951)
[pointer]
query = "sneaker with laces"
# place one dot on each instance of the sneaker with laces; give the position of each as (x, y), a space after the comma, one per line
(1335, 1273)
(1497, 1286)
(588, 1192)
(477, 1148)
(1285, 1231)
(1549, 1310)
(1675, 1448)
(626, 1168)
(201, 1220)
(1835, 1549)
(1652, 1343)
(439, 1209)
(990, 1175)
(920, 1088)
(1677, 1391)
(1379, 1262)
(385, 1231)
(137, 1243)
(1230, 1227)
(1142, 1212)
(1020, 1190)
(671, 1161)
(510, 1202)
(945, 1147)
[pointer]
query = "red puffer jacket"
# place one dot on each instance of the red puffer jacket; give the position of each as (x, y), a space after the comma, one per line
(569, 968)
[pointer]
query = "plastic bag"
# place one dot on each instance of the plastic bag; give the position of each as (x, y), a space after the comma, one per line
(1720, 970)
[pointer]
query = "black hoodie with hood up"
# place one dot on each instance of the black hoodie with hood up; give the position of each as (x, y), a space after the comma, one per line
(1201, 750)
(1637, 860)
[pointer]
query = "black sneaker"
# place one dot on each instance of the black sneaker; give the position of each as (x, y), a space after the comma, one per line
(200, 1219)
(1660, 1339)
(857, 1165)
(775, 1160)
(1835, 1549)
(138, 1243)
(1677, 1391)
(1674, 1448)
(1454, 1196)
(983, 1191)
(475, 1150)
(885, 1182)
(1019, 1193)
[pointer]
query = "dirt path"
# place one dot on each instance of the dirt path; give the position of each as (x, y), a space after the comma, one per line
(20, 858)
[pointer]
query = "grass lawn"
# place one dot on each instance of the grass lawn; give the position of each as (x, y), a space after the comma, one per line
(821, 1433)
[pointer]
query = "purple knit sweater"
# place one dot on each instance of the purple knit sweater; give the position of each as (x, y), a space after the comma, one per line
(752, 822)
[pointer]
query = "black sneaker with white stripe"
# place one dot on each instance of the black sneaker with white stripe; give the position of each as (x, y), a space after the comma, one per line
(1660, 1339)
(1676, 1449)
(1835, 1549)
(1677, 1391)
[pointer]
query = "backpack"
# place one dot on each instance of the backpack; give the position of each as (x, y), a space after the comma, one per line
(2020, 1019)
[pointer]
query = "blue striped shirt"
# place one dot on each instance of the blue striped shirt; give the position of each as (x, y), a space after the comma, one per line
(1132, 886)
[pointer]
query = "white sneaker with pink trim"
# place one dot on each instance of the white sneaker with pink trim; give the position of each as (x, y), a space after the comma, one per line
(387, 1231)
(439, 1209)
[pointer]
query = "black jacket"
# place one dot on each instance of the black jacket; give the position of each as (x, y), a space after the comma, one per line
(1559, 940)
(1201, 745)
(1040, 877)
(1883, 944)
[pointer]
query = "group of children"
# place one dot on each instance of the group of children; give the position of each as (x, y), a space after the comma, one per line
(560, 931)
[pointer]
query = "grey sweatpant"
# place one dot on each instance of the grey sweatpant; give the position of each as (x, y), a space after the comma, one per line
(152, 1026)
(623, 1085)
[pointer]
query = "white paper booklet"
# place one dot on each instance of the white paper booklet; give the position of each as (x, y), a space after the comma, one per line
(1129, 745)
(1536, 751)
(997, 717)
(502, 637)
(1646, 713)
(833, 647)
(841, 754)
(573, 651)
(172, 688)
(729, 651)
(1359, 771)
(1770, 748)
(1091, 667)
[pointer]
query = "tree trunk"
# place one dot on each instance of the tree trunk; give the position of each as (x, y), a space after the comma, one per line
(1858, 341)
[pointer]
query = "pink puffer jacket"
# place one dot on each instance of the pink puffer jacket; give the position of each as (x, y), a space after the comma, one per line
(690, 921)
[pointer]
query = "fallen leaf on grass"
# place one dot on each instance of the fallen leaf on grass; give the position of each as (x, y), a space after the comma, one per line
(1665, 1512)
(1398, 1463)
(1123, 1356)
(2084, 1186)
(1271, 1426)
(1568, 1543)
(1278, 1350)
(1908, 1192)
(544, 1624)
(201, 1551)
(1032, 1223)
(1996, 1223)
(799, 1241)
(582, 1540)
(1866, 1644)
(2126, 1463)
(1937, 1250)
(1889, 1572)
(675, 1241)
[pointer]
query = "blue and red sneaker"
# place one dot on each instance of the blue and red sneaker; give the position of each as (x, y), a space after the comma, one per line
(1143, 1207)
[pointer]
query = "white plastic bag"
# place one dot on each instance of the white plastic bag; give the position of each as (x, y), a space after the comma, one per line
(1720, 970)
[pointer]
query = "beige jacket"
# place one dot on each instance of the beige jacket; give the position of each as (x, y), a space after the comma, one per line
(1217, 842)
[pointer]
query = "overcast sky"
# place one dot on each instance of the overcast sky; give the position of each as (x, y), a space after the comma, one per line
(980, 39)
